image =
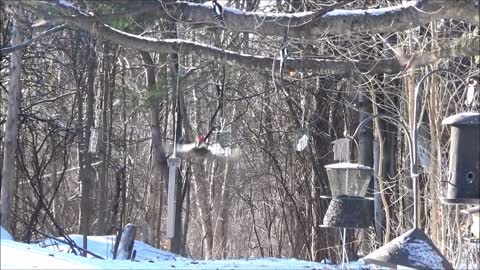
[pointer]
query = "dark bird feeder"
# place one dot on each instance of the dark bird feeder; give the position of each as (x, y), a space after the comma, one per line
(412, 249)
(348, 207)
(464, 164)
(349, 212)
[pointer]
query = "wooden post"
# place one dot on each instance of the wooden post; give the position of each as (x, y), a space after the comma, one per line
(125, 248)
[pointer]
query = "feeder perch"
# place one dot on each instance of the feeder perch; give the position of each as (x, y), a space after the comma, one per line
(464, 164)
(348, 179)
(412, 249)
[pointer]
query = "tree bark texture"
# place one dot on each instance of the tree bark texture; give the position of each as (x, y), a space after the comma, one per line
(103, 139)
(86, 171)
(313, 24)
(465, 46)
(160, 158)
(11, 128)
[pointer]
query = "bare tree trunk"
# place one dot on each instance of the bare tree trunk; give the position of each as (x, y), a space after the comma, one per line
(229, 177)
(200, 185)
(224, 210)
(86, 171)
(160, 160)
(435, 149)
(409, 201)
(103, 142)
(365, 156)
(11, 129)
(200, 188)
(55, 180)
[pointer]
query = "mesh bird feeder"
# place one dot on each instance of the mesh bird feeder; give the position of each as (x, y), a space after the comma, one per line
(464, 164)
(348, 179)
(348, 207)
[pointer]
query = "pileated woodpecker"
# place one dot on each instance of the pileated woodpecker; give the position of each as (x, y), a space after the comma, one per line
(218, 12)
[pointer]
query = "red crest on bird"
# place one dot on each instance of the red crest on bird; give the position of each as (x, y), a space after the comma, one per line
(201, 139)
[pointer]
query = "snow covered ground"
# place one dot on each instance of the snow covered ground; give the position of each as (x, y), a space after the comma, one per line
(50, 254)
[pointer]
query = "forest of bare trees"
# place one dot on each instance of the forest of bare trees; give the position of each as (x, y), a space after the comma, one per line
(95, 93)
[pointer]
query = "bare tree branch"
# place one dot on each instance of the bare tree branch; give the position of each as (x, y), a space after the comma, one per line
(305, 25)
(467, 46)
(28, 42)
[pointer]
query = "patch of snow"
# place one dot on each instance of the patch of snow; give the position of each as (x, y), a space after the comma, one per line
(4, 235)
(103, 246)
(339, 12)
(16, 255)
(268, 14)
(65, 3)
(459, 118)
(252, 13)
(421, 254)
(347, 165)
(50, 254)
(374, 11)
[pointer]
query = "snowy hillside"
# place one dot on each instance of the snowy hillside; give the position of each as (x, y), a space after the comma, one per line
(50, 254)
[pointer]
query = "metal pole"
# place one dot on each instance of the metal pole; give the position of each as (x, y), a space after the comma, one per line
(344, 249)
(416, 223)
(414, 167)
(173, 164)
(414, 136)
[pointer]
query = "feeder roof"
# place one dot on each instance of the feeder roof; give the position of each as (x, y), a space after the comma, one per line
(466, 118)
(347, 165)
(412, 249)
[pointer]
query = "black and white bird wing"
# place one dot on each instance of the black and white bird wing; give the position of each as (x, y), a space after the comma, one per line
(215, 150)
(184, 148)
(192, 151)
(223, 152)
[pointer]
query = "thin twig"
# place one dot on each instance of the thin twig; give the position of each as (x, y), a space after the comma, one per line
(8, 50)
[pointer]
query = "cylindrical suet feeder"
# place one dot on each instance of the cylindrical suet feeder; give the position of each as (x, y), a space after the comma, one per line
(464, 164)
